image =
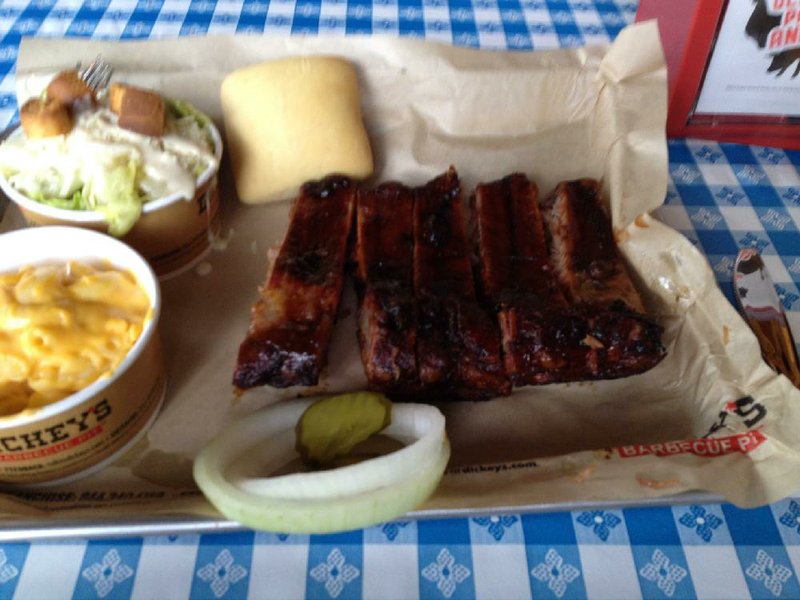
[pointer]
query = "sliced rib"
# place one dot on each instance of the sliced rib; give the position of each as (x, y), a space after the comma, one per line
(583, 248)
(624, 341)
(291, 323)
(387, 323)
(458, 345)
(514, 259)
(516, 276)
(589, 332)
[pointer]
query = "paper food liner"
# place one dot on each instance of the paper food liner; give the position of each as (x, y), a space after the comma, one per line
(712, 416)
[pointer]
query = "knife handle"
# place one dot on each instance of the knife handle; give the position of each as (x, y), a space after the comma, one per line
(777, 346)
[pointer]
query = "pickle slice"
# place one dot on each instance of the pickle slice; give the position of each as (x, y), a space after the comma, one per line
(332, 426)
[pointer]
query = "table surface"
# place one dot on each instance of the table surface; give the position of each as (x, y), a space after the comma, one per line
(722, 197)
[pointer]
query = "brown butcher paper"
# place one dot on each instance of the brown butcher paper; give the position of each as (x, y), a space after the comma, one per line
(712, 416)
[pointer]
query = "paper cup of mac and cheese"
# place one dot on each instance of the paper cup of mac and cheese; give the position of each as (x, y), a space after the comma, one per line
(81, 371)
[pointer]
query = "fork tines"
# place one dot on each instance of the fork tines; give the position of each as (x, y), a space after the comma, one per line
(97, 74)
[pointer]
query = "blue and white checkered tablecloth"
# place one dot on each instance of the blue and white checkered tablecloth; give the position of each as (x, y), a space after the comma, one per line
(665, 552)
(724, 197)
(721, 196)
(514, 24)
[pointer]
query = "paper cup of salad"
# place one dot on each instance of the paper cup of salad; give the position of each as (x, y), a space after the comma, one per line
(130, 163)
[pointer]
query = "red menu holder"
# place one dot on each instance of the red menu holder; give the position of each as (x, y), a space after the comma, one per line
(734, 69)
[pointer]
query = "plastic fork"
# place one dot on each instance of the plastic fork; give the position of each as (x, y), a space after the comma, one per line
(97, 74)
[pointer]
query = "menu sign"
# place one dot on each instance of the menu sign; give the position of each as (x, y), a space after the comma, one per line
(755, 63)
(739, 77)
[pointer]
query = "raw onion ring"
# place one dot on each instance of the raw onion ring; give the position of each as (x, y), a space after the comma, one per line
(350, 497)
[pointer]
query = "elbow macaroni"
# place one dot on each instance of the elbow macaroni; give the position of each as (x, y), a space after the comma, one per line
(62, 327)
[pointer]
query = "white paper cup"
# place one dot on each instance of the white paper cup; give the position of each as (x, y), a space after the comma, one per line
(82, 433)
(173, 233)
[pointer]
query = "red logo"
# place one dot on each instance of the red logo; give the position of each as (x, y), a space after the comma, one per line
(742, 442)
(55, 448)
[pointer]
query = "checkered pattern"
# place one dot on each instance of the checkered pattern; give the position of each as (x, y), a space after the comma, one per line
(516, 24)
(722, 197)
(666, 552)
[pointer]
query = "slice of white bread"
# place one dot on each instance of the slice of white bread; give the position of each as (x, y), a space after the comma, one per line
(290, 121)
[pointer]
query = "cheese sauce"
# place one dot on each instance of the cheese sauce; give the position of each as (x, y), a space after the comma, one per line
(62, 327)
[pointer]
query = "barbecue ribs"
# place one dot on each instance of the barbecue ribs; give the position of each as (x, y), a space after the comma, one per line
(387, 312)
(292, 321)
(549, 271)
(458, 346)
(565, 304)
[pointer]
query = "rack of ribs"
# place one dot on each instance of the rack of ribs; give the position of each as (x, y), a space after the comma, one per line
(292, 321)
(458, 345)
(384, 275)
(596, 282)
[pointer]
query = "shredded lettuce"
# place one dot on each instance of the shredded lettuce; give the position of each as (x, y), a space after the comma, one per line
(76, 202)
(190, 123)
(180, 108)
(115, 196)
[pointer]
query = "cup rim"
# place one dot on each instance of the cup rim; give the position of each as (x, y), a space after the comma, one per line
(93, 216)
(123, 257)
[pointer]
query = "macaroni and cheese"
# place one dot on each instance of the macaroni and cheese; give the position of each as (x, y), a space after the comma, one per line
(62, 327)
